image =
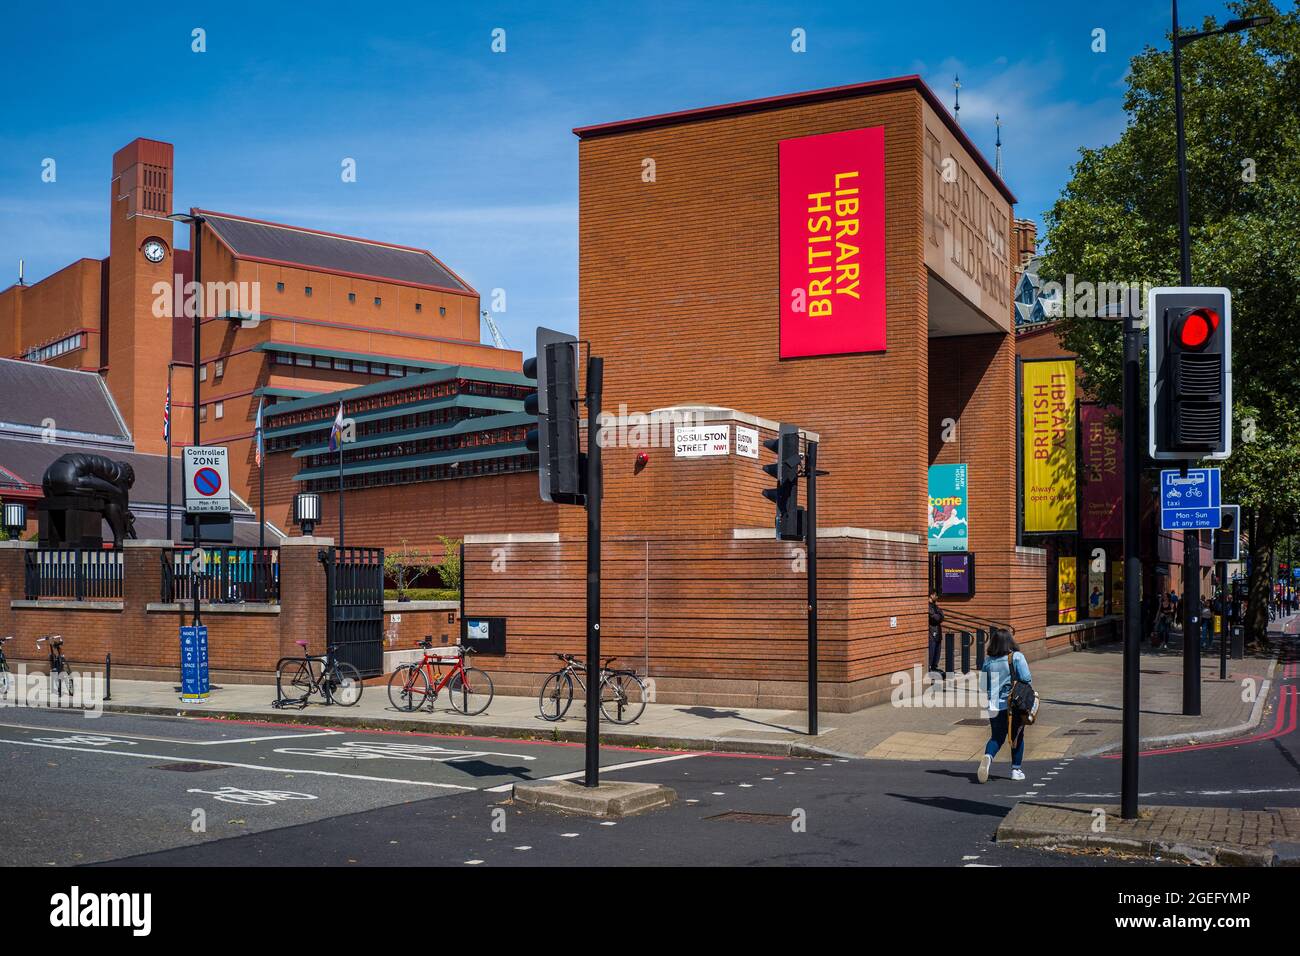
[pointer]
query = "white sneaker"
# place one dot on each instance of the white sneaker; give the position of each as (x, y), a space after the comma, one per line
(982, 774)
(1017, 773)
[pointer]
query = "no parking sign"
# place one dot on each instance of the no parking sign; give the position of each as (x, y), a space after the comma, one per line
(207, 479)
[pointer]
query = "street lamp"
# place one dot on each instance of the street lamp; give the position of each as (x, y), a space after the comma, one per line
(15, 519)
(1191, 541)
(197, 222)
(306, 511)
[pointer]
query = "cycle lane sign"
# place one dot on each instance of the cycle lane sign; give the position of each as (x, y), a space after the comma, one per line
(1191, 501)
(195, 683)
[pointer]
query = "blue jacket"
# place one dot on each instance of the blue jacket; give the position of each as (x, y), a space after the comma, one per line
(999, 678)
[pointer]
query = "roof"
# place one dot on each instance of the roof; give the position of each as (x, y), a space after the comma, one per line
(279, 244)
(911, 82)
(76, 405)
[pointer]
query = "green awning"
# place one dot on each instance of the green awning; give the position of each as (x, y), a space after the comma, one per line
(482, 423)
(294, 349)
(416, 461)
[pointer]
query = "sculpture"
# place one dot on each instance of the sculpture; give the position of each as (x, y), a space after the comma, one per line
(79, 487)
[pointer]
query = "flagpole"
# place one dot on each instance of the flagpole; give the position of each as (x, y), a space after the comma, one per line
(261, 480)
(168, 410)
(340, 492)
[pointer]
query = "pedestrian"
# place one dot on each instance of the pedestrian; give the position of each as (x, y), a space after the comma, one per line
(936, 633)
(1003, 658)
(1207, 624)
(1163, 615)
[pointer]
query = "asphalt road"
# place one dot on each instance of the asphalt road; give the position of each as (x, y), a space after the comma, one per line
(155, 791)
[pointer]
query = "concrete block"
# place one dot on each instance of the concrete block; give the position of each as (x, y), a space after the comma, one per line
(610, 800)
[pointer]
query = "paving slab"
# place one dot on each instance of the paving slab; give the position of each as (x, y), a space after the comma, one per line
(609, 800)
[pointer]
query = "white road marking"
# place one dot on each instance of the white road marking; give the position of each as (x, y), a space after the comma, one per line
(609, 823)
(974, 857)
(241, 766)
(505, 787)
(985, 866)
(523, 848)
(175, 740)
(568, 834)
(473, 862)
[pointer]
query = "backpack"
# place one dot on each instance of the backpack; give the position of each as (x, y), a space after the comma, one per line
(1022, 699)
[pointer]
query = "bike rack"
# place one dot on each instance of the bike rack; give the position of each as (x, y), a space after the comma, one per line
(281, 701)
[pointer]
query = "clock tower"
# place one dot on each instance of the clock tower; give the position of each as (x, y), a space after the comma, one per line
(137, 344)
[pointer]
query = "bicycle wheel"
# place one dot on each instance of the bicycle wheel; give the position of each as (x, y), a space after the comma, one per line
(622, 697)
(293, 681)
(408, 688)
(5, 682)
(342, 684)
(63, 684)
(556, 696)
(470, 691)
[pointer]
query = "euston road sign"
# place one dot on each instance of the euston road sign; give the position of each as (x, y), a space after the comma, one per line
(1190, 501)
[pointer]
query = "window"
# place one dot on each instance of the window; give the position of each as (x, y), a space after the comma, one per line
(279, 287)
(322, 361)
(352, 297)
(378, 301)
(303, 360)
(306, 290)
(396, 371)
(219, 410)
(282, 358)
(378, 368)
(418, 307)
(341, 365)
(362, 367)
(442, 310)
(203, 413)
(219, 368)
(203, 372)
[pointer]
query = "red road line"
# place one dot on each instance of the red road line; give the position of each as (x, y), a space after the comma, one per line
(1285, 724)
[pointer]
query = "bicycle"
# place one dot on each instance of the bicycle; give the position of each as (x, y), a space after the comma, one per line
(6, 681)
(469, 689)
(60, 676)
(338, 682)
(622, 693)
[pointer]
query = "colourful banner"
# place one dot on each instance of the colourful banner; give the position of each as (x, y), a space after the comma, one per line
(1067, 591)
(832, 245)
(1097, 588)
(1103, 473)
(1048, 433)
(947, 513)
(1117, 587)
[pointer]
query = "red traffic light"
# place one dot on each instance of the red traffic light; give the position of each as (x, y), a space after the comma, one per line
(1197, 327)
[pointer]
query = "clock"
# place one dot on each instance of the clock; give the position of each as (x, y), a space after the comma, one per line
(154, 250)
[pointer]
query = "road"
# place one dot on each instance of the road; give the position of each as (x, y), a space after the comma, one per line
(139, 790)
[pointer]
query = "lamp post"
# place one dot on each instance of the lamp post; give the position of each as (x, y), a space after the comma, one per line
(197, 221)
(15, 518)
(306, 511)
(1191, 541)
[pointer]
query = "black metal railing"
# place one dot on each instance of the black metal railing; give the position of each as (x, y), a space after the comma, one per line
(228, 575)
(73, 574)
(972, 631)
(354, 606)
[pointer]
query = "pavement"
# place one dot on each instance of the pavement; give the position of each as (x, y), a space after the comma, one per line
(1081, 713)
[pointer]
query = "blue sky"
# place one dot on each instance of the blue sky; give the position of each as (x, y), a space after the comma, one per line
(469, 153)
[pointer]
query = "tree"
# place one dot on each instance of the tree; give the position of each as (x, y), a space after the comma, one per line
(449, 568)
(404, 566)
(1117, 221)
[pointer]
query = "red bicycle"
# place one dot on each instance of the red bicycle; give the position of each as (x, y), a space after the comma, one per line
(414, 685)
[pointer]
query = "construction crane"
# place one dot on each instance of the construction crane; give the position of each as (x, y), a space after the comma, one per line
(498, 339)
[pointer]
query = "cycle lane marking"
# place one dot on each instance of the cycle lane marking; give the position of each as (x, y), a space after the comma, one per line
(506, 787)
(169, 740)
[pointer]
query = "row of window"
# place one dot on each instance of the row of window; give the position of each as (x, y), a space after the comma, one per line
(391, 369)
(406, 476)
(352, 297)
(69, 343)
(422, 446)
(218, 411)
(406, 396)
(380, 426)
(218, 370)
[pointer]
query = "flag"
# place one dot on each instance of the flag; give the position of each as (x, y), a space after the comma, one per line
(258, 449)
(336, 430)
(167, 415)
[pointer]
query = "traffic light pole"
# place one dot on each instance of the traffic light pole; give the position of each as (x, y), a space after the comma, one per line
(595, 385)
(1132, 573)
(810, 517)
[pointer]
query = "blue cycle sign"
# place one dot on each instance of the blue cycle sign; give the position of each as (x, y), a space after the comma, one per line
(194, 662)
(1191, 501)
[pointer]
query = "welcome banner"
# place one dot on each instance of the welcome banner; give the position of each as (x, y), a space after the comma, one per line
(1103, 473)
(832, 220)
(1049, 435)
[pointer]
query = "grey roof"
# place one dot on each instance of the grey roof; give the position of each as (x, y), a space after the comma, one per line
(78, 403)
(28, 459)
(280, 243)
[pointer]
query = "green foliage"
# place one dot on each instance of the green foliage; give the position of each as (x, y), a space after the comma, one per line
(1117, 221)
(449, 568)
(404, 565)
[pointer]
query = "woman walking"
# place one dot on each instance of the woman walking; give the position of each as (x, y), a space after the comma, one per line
(1002, 656)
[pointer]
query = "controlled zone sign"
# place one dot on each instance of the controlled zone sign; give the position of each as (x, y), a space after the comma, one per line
(1191, 501)
(207, 479)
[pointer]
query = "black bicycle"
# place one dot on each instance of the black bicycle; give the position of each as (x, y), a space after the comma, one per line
(60, 676)
(297, 678)
(622, 693)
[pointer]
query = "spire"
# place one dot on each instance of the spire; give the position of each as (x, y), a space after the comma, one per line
(997, 163)
(956, 97)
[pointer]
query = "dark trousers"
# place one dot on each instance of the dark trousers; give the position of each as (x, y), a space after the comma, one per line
(936, 648)
(998, 727)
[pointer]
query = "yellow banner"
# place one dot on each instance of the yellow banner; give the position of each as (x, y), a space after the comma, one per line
(1048, 433)
(1067, 591)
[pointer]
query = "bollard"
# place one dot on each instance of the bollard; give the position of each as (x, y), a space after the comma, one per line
(1238, 643)
(981, 641)
(948, 638)
(108, 677)
(965, 651)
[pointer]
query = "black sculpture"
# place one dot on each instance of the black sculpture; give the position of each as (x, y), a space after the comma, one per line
(80, 490)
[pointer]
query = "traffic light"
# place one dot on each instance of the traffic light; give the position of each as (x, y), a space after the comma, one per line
(1227, 538)
(555, 403)
(789, 516)
(1189, 334)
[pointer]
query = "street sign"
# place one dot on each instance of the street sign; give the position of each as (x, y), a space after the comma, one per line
(194, 662)
(1190, 502)
(207, 479)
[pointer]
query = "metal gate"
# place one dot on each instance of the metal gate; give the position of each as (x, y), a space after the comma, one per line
(354, 606)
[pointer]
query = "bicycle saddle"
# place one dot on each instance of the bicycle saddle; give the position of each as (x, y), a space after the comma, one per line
(302, 644)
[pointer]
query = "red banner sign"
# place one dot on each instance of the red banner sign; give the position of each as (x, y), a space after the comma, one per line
(1103, 473)
(833, 243)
